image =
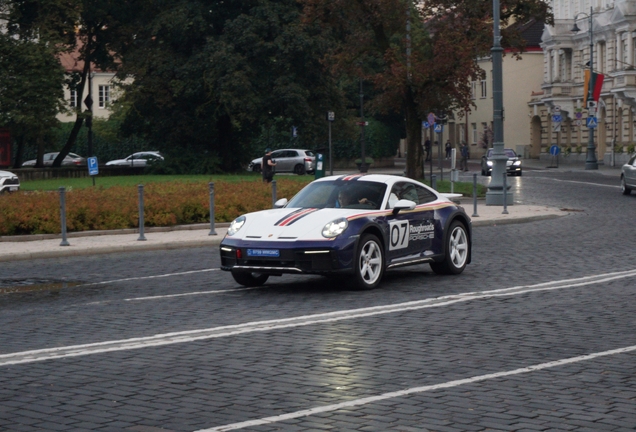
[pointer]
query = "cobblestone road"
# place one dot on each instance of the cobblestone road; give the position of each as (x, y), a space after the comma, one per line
(165, 341)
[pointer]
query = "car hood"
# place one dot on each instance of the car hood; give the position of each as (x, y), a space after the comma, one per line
(5, 174)
(291, 224)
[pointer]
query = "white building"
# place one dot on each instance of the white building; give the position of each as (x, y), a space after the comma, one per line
(566, 56)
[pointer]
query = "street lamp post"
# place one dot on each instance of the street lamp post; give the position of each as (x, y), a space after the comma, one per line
(590, 161)
(495, 195)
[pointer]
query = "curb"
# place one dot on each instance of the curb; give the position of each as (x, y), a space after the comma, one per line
(66, 252)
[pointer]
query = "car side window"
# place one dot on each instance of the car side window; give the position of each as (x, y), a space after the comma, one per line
(278, 154)
(404, 190)
(291, 153)
(425, 195)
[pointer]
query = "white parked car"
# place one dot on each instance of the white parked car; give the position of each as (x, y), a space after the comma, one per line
(9, 182)
(139, 159)
(70, 159)
(628, 176)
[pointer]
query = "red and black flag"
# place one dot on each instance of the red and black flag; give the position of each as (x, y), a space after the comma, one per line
(593, 82)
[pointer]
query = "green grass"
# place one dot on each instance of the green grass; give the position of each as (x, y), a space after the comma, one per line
(463, 188)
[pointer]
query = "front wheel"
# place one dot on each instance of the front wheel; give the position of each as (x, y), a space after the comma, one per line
(457, 251)
(256, 168)
(369, 263)
(250, 279)
(624, 189)
(299, 169)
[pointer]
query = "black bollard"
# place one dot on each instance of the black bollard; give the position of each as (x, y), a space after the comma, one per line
(141, 213)
(212, 231)
(63, 216)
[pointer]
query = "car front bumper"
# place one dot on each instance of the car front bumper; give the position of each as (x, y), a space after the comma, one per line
(294, 257)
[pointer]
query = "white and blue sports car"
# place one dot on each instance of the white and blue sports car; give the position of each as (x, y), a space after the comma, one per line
(355, 225)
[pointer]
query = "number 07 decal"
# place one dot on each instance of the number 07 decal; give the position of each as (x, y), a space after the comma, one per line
(398, 235)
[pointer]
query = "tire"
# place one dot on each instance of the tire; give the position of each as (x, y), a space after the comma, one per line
(256, 168)
(250, 279)
(624, 189)
(519, 173)
(457, 251)
(369, 262)
(299, 169)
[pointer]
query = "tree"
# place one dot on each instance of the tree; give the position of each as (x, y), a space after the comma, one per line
(30, 75)
(428, 68)
(211, 77)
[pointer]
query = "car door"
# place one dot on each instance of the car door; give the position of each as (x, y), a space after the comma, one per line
(282, 161)
(630, 172)
(411, 233)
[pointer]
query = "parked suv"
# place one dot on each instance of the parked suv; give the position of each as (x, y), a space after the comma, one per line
(9, 182)
(288, 160)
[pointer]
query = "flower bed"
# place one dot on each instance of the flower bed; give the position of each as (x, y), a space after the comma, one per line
(165, 204)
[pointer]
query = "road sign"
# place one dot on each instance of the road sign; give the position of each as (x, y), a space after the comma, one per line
(591, 122)
(555, 150)
(557, 118)
(331, 116)
(363, 123)
(425, 125)
(431, 118)
(556, 127)
(93, 169)
(439, 128)
(556, 109)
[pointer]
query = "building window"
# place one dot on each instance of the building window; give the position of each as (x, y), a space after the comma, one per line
(473, 126)
(73, 99)
(104, 95)
(473, 89)
(483, 89)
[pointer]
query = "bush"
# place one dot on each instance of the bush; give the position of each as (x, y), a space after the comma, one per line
(170, 203)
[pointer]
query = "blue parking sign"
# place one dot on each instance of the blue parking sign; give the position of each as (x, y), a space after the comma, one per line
(92, 166)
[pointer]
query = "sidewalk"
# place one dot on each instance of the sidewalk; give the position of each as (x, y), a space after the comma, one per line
(13, 248)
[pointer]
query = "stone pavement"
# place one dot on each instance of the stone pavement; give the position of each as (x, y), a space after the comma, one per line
(14, 248)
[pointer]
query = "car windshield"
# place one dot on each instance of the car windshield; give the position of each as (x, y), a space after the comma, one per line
(508, 152)
(340, 194)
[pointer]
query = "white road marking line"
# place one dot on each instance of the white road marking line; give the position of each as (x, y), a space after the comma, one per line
(406, 392)
(191, 293)
(149, 277)
(578, 182)
(256, 326)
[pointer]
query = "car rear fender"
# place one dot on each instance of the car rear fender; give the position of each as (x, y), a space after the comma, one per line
(463, 218)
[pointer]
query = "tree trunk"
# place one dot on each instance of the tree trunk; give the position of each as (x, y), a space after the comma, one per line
(414, 149)
(19, 157)
(78, 121)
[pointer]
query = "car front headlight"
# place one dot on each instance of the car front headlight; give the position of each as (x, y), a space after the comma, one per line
(236, 225)
(335, 228)
(517, 163)
(489, 163)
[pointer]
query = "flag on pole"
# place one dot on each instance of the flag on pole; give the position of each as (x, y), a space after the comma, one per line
(593, 84)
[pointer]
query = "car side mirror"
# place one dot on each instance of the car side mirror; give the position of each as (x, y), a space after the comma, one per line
(403, 204)
(280, 203)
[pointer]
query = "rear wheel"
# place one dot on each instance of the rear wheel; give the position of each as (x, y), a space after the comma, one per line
(624, 188)
(250, 279)
(457, 251)
(299, 169)
(369, 263)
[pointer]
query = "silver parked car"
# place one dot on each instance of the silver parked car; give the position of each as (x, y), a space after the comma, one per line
(9, 182)
(70, 159)
(288, 160)
(628, 176)
(139, 159)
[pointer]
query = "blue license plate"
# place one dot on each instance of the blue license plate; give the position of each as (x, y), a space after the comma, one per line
(274, 253)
